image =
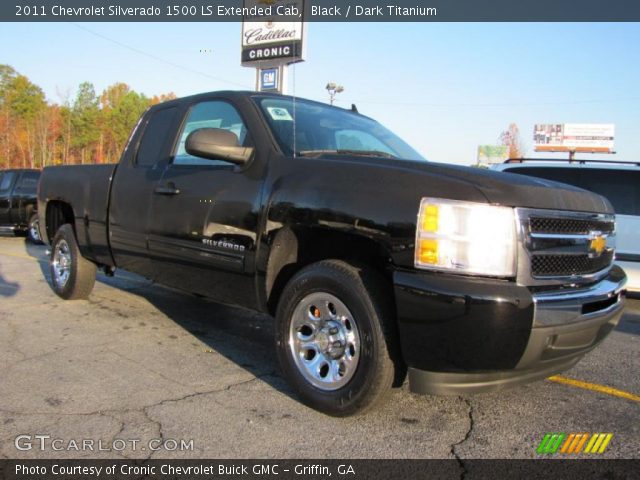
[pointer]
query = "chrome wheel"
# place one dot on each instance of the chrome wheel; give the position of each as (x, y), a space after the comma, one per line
(324, 341)
(34, 231)
(61, 263)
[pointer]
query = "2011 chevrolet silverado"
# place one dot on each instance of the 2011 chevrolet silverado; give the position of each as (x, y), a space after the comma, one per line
(372, 260)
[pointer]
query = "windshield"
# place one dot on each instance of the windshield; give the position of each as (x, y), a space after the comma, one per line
(325, 130)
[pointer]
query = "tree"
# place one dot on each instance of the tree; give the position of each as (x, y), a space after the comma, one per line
(512, 139)
(7, 74)
(164, 97)
(22, 104)
(121, 109)
(7, 126)
(84, 116)
(36, 133)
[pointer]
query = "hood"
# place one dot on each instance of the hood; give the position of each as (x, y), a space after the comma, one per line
(514, 190)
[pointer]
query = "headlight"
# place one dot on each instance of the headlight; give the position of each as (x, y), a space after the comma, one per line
(466, 237)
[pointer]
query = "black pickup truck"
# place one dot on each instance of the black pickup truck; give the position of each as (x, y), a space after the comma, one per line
(372, 260)
(18, 202)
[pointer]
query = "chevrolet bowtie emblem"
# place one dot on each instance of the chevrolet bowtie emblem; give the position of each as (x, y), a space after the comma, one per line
(598, 244)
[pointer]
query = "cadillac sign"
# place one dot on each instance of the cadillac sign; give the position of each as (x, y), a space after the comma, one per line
(272, 32)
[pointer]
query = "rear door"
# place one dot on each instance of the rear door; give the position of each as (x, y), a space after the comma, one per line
(134, 181)
(24, 197)
(7, 180)
(203, 224)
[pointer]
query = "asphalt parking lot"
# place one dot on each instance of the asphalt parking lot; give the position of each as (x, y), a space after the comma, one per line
(141, 362)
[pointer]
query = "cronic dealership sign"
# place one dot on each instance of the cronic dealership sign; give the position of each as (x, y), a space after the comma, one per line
(267, 41)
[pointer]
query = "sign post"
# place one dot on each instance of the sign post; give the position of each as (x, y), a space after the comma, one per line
(273, 37)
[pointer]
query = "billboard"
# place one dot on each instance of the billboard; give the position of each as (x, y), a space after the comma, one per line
(492, 154)
(268, 42)
(574, 137)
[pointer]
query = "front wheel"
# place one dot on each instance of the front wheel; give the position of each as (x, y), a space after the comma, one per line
(33, 232)
(72, 275)
(335, 337)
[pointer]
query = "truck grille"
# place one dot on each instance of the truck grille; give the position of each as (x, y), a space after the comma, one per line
(558, 246)
(562, 265)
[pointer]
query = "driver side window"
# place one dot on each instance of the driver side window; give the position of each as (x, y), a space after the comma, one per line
(212, 114)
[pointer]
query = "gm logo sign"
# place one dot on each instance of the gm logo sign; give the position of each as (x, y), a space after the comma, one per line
(268, 79)
(574, 443)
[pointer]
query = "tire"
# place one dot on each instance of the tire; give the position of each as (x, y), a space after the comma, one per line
(72, 275)
(33, 230)
(335, 337)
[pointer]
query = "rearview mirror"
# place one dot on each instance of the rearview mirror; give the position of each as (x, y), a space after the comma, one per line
(217, 144)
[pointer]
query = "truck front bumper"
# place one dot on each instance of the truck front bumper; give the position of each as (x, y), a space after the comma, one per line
(464, 335)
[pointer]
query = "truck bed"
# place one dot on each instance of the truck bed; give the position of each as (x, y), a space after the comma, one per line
(87, 188)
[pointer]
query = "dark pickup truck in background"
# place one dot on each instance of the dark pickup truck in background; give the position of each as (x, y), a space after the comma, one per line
(372, 260)
(18, 202)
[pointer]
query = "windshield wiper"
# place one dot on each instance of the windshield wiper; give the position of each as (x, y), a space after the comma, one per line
(363, 153)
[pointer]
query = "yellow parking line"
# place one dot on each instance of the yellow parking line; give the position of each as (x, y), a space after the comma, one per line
(594, 387)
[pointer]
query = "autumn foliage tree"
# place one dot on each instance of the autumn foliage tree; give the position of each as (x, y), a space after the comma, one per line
(90, 128)
(512, 139)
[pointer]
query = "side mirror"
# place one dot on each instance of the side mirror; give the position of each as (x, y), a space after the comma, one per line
(217, 144)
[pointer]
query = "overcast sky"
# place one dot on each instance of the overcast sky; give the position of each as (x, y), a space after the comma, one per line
(444, 87)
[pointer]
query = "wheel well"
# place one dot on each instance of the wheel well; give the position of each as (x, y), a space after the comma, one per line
(57, 214)
(293, 250)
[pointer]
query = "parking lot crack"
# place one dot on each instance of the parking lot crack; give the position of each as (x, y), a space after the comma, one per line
(207, 392)
(454, 447)
(157, 423)
(146, 410)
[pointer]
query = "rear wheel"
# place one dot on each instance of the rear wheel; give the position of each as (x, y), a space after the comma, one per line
(33, 232)
(72, 275)
(335, 342)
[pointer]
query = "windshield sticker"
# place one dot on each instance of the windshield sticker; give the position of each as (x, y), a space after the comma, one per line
(280, 114)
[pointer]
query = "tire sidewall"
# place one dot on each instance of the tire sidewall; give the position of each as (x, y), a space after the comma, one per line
(347, 399)
(65, 233)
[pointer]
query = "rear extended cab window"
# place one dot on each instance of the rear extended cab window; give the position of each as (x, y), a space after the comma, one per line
(156, 133)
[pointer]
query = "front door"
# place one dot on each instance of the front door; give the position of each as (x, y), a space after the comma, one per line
(204, 216)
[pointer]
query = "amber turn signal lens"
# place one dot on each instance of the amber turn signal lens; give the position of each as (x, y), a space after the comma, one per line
(430, 219)
(428, 251)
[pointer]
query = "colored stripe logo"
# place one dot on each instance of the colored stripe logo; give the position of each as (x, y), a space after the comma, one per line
(574, 443)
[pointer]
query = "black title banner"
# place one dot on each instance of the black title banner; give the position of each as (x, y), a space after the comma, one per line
(322, 10)
(453, 469)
